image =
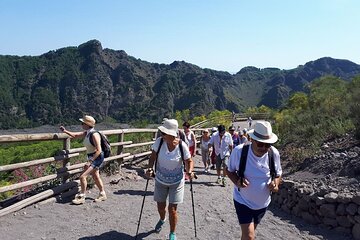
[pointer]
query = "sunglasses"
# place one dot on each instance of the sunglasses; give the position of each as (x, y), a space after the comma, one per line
(261, 144)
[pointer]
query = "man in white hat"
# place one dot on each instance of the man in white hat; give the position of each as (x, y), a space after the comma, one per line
(252, 191)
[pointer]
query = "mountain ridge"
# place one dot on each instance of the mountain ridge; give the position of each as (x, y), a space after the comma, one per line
(63, 84)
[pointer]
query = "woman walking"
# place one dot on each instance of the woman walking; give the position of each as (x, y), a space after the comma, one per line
(205, 154)
(95, 157)
(168, 154)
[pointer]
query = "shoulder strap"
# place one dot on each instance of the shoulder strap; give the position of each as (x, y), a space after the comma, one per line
(242, 164)
(272, 164)
(157, 152)
(181, 149)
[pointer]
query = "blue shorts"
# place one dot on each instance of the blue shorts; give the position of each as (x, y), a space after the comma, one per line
(96, 164)
(247, 215)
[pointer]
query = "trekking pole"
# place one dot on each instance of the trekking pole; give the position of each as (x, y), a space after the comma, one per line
(142, 207)
(192, 201)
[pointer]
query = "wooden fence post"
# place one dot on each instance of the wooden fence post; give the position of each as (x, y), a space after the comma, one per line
(66, 162)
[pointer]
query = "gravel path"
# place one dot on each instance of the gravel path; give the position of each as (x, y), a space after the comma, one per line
(117, 217)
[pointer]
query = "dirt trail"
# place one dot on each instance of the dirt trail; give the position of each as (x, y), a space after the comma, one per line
(117, 217)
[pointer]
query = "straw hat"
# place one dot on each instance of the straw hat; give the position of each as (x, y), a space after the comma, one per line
(262, 132)
(170, 127)
(88, 120)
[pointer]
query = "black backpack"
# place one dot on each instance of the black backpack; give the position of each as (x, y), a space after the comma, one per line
(161, 142)
(105, 144)
(243, 160)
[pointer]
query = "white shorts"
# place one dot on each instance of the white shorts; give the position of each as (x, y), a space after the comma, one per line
(175, 192)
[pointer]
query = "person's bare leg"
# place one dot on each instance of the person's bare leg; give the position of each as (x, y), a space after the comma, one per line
(173, 217)
(161, 206)
(98, 181)
(83, 181)
(247, 231)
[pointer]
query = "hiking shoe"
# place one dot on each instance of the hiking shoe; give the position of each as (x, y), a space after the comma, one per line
(159, 225)
(79, 199)
(172, 236)
(101, 197)
(224, 182)
(219, 180)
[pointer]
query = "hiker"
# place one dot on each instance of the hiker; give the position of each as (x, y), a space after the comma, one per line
(252, 192)
(204, 143)
(211, 149)
(95, 158)
(244, 136)
(249, 120)
(167, 157)
(191, 139)
(223, 144)
(235, 136)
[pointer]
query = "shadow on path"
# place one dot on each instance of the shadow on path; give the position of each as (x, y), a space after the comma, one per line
(304, 226)
(114, 235)
(134, 192)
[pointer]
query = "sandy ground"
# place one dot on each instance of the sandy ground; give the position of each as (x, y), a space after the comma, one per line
(117, 217)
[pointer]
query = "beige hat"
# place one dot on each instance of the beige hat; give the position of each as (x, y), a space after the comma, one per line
(170, 127)
(262, 132)
(88, 120)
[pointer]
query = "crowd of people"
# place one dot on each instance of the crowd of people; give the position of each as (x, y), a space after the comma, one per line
(247, 157)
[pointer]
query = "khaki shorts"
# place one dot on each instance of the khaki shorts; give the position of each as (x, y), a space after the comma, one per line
(222, 162)
(175, 192)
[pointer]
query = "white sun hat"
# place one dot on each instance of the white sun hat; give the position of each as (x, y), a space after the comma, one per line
(170, 127)
(262, 132)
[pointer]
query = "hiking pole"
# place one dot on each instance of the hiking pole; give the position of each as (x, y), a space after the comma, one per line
(142, 207)
(192, 201)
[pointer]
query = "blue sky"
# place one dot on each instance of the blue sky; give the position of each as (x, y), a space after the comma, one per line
(218, 34)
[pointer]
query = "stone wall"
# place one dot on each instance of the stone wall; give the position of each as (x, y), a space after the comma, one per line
(331, 209)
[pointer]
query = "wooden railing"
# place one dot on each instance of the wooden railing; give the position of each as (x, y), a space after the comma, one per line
(122, 154)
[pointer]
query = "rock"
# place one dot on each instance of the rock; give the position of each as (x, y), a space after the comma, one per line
(331, 197)
(340, 210)
(343, 221)
(345, 197)
(309, 218)
(351, 209)
(328, 210)
(356, 199)
(356, 231)
(330, 222)
(357, 218)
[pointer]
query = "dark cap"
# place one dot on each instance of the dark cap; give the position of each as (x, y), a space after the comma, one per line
(231, 128)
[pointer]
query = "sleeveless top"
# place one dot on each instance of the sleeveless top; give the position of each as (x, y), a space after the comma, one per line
(89, 147)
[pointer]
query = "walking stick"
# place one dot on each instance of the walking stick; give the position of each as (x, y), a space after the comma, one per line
(142, 207)
(192, 201)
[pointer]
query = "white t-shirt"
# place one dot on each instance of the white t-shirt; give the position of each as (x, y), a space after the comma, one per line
(222, 147)
(189, 138)
(257, 194)
(169, 167)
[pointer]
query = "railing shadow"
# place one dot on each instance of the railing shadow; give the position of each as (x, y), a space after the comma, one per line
(134, 192)
(114, 235)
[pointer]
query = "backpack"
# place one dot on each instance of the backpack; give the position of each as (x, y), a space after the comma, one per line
(161, 142)
(105, 144)
(243, 160)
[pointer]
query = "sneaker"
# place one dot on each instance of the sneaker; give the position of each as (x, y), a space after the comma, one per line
(219, 180)
(205, 170)
(101, 197)
(224, 182)
(212, 167)
(172, 236)
(79, 199)
(159, 225)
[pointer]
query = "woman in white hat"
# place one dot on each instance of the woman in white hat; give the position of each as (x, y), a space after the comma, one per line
(95, 157)
(167, 157)
(252, 192)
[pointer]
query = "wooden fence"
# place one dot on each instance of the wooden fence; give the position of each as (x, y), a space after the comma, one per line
(122, 154)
